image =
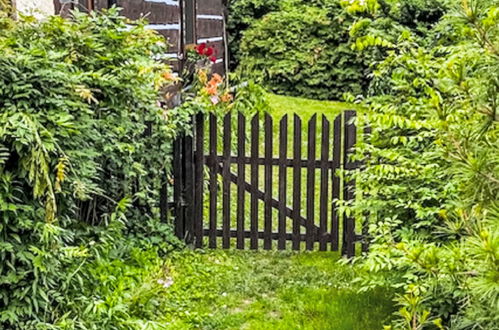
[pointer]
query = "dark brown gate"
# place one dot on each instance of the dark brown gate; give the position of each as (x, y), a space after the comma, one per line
(252, 184)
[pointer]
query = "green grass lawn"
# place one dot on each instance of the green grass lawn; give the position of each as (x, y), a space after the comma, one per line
(269, 290)
(306, 108)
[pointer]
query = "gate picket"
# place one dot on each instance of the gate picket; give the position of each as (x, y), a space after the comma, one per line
(335, 219)
(241, 175)
(283, 150)
(213, 182)
(310, 235)
(199, 180)
(267, 230)
(324, 184)
(296, 182)
(255, 141)
(226, 181)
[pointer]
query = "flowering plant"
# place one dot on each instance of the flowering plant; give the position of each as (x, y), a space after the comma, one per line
(203, 90)
(206, 51)
(209, 93)
(202, 53)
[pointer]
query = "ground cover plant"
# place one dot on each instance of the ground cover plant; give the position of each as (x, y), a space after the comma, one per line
(279, 105)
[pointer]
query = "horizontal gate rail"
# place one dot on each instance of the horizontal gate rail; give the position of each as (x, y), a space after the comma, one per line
(288, 162)
(275, 235)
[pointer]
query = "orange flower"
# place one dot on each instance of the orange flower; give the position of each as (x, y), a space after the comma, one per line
(168, 76)
(211, 90)
(217, 78)
(227, 97)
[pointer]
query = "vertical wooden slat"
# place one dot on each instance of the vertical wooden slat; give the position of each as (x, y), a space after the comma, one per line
(283, 151)
(267, 231)
(226, 182)
(199, 180)
(178, 188)
(365, 233)
(189, 18)
(189, 188)
(365, 223)
(335, 228)
(324, 184)
(310, 235)
(296, 182)
(213, 182)
(255, 141)
(163, 198)
(349, 193)
(241, 176)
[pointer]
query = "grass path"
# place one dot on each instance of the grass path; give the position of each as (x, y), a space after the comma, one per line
(269, 290)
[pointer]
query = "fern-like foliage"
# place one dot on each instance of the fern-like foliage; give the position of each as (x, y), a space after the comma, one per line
(430, 186)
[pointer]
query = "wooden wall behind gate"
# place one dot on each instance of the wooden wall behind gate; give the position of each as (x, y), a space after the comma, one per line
(181, 22)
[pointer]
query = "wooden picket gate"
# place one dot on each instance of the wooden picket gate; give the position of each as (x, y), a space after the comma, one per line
(213, 179)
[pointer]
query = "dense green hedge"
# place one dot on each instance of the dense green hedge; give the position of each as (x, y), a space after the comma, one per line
(84, 150)
(304, 48)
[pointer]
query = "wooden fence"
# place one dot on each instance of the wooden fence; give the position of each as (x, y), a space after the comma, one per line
(291, 196)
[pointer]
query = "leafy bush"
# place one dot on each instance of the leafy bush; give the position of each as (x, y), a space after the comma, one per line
(242, 14)
(84, 151)
(431, 179)
(303, 50)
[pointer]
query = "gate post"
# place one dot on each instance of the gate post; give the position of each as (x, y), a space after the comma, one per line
(188, 178)
(178, 187)
(349, 140)
(198, 179)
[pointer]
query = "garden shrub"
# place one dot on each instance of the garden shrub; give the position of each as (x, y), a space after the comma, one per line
(242, 14)
(302, 50)
(84, 150)
(305, 48)
(430, 183)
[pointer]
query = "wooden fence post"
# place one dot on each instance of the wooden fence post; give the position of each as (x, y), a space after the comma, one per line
(199, 179)
(178, 187)
(350, 139)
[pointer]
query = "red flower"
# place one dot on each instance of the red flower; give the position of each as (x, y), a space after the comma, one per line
(200, 49)
(209, 51)
(213, 58)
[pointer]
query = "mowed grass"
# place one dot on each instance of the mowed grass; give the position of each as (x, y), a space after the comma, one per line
(305, 108)
(269, 290)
